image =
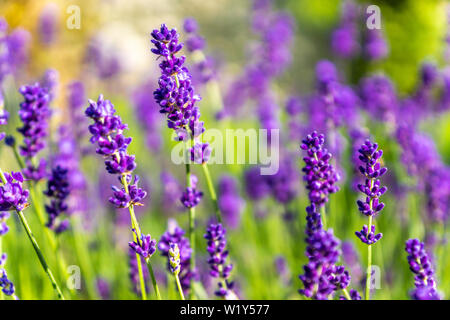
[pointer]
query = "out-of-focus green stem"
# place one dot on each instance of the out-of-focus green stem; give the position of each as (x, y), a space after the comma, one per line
(212, 191)
(83, 256)
(36, 247)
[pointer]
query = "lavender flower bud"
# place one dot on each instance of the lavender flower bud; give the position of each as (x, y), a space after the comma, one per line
(174, 259)
(145, 246)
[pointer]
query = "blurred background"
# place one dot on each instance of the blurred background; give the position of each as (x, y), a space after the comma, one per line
(110, 54)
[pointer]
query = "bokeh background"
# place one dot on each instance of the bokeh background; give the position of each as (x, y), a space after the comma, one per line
(110, 54)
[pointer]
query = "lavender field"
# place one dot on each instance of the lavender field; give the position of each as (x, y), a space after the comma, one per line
(227, 149)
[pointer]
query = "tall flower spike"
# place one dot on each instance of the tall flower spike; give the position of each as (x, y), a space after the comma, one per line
(216, 246)
(175, 95)
(191, 196)
(34, 113)
(420, 265)
(12, 194)
(320, 175)
(58, 190)
(107, 132)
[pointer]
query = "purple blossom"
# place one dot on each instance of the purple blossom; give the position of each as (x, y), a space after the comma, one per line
(175, 235)
(191, 196)
(320, 176)
(256, 185)
(368, 237)
(200, 153)
(58, 190)
(34, 113)
(145, 246)
(372, 170)
(421, 266)
(171, 190)
(107, 131)
(216, 247)
(344, 40)
(12, 194)
(6, 285)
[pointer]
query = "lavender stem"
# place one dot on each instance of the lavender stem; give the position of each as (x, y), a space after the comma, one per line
(180, 290)
(212, 191)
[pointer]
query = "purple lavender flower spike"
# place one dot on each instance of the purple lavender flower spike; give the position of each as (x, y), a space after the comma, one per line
(6, 285)
(375, 46)
(368, 237)
(190, 25)
(372, 170)
(354, 295)
(58, 190)
(421, 266)
(320, 175)
(216, 247)
(344, 40)
(175, 235)
(107, 132)
(200, 153)
(145, 247)
(34, 113)
(12, 194)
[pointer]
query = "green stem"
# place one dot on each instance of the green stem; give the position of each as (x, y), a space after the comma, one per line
(369, 264)
(212, 192)
(40, 255)
(83, 256)
(323, 215)
(1, 248)
(191, 223)
(180, 290)
(152, 275)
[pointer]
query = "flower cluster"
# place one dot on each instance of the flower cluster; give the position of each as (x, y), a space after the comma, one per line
(344, 40)
(175, 235)
(420, 264)
(58, 189)
(175, 94)
(370, 156)
(321, 275)
(191, 196)
(216, 247)
(145, 246)
(107, 132)
(34, 113)
(12, 195)
(320, 175)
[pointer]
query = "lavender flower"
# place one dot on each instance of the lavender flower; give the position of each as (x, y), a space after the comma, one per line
(175, 94)
(368, 237)
(171, 189)
(34, 113)
(145, 246)
(175, 235)
(320, 175)
(13, 49)
(344, 40)
(217, 242)
(256, 185)
(58, 189)
(191, 196)
(107, 131)
(421, 266)
(103, 288)
(12, 194)
(372, 170)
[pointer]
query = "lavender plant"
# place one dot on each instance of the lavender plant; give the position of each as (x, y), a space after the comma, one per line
(107, 131)
(370, 156)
